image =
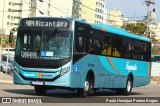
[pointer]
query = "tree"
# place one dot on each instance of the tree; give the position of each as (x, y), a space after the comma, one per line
(155, 43)
(5, 42)
(138, 28)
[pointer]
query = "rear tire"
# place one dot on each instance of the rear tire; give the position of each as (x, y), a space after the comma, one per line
(129, 85)
(128, 90)
(40, 90)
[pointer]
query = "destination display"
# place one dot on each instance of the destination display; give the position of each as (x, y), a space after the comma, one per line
(52, 23)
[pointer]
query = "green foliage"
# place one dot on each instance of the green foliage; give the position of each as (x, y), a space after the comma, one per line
(138, 28)
(155, 43)
(4, 41)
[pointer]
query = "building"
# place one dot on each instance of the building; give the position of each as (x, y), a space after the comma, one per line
(155, 28)
(92, 10)
(135, 21)
(87, 10)
(54, 8)
(101, 12)
(10, 12)
(115, 18)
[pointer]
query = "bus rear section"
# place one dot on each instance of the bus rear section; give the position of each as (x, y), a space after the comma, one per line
(106, 57)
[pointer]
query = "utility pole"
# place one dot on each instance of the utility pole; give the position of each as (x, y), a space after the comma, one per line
(75, 8)
(33, 8)
(2, 33)
(148, 20)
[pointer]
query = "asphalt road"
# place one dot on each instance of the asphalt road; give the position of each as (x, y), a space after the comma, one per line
(66, 96)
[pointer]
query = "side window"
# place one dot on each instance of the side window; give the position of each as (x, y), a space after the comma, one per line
(79, 43)
(95, 42)
(106, 44)
(137, 50)
(148, 52)
(117, 46)
(79, 38)
(127, 48)
(143, 51)
(4, 58)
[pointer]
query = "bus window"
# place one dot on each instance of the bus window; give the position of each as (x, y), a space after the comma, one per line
(106, 45)
(127, 48)
(143, 51)
(95, 42)
(79, 38)
(136, 51)
(148, 52)
(116, 49)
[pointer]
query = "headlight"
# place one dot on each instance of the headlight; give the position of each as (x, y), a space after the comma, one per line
(16, 68)
(64, 71)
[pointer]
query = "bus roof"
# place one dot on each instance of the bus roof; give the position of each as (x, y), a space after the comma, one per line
(104, 27)
(115, 30)
(118, 31)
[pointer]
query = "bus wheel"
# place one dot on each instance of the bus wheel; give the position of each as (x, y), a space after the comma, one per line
(84, 91)
(128, 89)
(40, 90)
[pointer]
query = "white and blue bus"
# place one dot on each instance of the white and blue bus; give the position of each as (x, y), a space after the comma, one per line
(73, 54)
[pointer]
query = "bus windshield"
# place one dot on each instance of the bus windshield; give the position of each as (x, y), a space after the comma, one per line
(43, 44)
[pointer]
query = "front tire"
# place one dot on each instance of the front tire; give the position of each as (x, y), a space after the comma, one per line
(84, 91)
(40, 90)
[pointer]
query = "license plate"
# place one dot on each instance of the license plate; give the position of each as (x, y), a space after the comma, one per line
(36, 83)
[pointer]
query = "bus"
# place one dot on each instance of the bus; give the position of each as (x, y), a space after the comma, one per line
(73, 54)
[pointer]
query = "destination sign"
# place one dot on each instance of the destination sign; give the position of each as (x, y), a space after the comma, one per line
(58, 23)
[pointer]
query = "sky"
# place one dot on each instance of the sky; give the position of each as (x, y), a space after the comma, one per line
(134, 8)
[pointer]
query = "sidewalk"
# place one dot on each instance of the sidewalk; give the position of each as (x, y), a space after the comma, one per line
(5, 78)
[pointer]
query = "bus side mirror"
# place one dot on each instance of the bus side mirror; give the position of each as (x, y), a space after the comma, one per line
(11, 34)
(10, 37)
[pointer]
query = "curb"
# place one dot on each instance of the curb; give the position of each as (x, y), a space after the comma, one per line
(4, 81)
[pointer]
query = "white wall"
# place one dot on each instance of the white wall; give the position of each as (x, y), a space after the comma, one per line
(57, 8)
(7, 20)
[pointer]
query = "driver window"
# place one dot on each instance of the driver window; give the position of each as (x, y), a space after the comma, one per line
(79, 38)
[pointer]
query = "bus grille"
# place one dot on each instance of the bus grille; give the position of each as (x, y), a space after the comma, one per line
(40, 63)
